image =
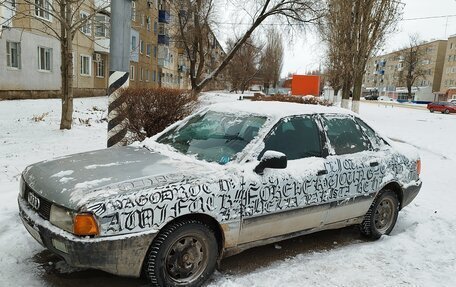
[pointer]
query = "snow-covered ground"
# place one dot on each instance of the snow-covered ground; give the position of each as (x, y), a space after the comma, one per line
(420, 252)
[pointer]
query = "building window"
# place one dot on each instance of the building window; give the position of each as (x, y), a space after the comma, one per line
(100, 69)
(147, 75)
(101, 26)
(85, 65)
(44, 59)
(13, 55)
(133, 11)
(86, 28)
(155, 27)
(154, 76)
(143, 20)
(42, 8)
(141, 74)
(132, 73)
(141, 46)
(155, 51)
(149, 24)
(148, 50)
(133, 43)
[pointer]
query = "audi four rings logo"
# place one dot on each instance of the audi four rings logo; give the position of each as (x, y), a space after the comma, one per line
(34, 201)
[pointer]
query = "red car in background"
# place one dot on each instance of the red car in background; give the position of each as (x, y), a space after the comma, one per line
(443, 107)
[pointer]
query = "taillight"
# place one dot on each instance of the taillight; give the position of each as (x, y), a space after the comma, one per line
(418, 166)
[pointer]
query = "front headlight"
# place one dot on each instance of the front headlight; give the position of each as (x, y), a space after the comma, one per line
(22, 187)
(62, 218)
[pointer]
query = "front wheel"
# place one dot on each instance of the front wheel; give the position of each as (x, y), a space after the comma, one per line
(431, 110)
(183, 254)
(446, 112)
(382, 215)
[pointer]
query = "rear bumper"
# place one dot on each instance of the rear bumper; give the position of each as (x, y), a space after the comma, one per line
(409, 193)
(120, 255)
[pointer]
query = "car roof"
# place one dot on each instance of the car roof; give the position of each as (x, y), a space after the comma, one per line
(275, 109)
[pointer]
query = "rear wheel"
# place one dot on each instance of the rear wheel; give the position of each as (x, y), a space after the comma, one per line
(446, 111)
(431, 110)
(183, 254)
(382, 215)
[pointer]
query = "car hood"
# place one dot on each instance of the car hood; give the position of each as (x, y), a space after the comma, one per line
(69, 181)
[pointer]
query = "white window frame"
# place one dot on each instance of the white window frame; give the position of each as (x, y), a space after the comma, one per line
(147, 75)
(9, 55)
(46, 50)
(87, 27)
(89, 63)
(134, 44)
(148, 49)
(141, 46)
(141, 74)
(41, 9)
(132, 72)
(101, 69)
(103, 25)
(133, 11)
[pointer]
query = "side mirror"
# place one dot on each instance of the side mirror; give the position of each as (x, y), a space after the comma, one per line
(271, 159)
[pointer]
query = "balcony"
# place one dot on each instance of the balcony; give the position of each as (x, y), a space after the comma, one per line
(164, 16)
(163, 40)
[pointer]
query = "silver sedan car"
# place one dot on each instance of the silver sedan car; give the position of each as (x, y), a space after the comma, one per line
(230, 177)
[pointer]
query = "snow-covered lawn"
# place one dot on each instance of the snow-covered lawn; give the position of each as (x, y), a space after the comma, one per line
(420, 252)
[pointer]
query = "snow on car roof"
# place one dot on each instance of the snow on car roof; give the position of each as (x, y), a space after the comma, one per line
(275, 109)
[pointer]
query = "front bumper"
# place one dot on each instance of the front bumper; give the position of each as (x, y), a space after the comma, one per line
(410, 192)
(121, 255)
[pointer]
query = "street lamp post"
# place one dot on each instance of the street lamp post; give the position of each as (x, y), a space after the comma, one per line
(119, 69)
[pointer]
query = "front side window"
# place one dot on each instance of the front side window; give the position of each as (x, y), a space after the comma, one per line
(85, 65)
(214, 136)
(42, 8)
(296, 137)
(344, 134)
(13, 55)
(44, 59)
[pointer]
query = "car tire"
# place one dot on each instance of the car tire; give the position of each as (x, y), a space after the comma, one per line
(382, 215)
(446, 112)
(431, 110)
(184, 253)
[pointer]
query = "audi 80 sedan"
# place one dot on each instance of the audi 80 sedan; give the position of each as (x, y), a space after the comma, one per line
(227, 178)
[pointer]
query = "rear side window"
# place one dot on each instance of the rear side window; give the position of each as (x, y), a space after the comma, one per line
(296, 137)
(344, 134)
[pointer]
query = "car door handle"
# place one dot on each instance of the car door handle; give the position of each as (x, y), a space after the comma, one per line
(322, 172)
(374, 163)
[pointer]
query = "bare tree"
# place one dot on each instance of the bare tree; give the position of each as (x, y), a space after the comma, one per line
(362, 26)
(412, 57)
(243, 68)
(66, 22)
(195, 18)
(272, 59)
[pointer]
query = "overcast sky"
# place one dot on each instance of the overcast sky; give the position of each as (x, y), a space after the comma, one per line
(304, 52)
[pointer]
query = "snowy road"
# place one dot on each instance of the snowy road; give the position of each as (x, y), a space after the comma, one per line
(420, 252)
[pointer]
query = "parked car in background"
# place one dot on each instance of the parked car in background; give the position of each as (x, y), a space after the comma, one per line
(443, 107)
(385, 99)
(228, 178)
(453, 101)
(371, 97)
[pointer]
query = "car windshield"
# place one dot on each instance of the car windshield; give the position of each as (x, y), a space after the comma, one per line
(214, 136)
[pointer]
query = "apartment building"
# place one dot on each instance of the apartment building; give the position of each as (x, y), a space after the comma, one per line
(33, 55)
(383, 72)
(448, 85)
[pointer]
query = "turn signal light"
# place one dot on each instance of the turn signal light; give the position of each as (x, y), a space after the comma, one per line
(85, 225)
(418, 166)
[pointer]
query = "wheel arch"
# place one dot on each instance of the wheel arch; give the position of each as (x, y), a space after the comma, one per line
(396, 188)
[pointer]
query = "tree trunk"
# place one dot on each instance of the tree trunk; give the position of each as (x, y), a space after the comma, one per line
(357, 91)
(346, 94)
(66, 68)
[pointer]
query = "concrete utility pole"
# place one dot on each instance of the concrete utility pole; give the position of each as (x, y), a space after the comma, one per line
(119, 69)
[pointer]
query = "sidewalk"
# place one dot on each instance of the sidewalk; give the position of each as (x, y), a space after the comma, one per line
(395, 104)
